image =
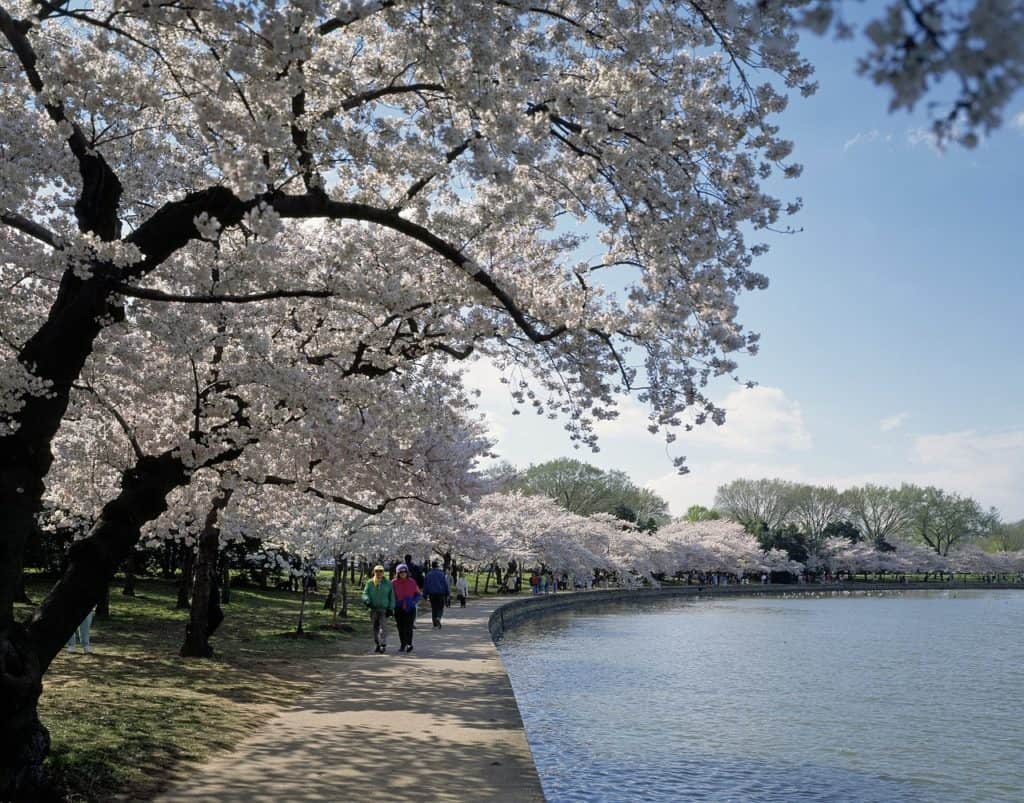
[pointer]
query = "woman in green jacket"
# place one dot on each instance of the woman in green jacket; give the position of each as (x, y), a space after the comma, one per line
(379, 597)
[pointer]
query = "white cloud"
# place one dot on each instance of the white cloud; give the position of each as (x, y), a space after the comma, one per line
(988, 467)
(699, 486)
(893, 422)
(1018, 121)
(631, 422)
(865, 138)
(758, 420)
(924, 136)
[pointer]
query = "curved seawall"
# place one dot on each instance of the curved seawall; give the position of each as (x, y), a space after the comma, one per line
(509, 615)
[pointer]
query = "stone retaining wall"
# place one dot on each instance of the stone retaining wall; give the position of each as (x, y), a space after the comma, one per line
(519, 610)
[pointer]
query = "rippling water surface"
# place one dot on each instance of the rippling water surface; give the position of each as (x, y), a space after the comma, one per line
(897, 697)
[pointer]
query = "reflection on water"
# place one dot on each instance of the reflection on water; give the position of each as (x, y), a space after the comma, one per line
(889, 697)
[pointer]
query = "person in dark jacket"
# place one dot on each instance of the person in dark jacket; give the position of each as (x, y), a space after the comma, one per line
(435, 586)
(415, 572)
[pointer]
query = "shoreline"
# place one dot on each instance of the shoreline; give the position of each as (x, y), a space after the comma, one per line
(516, 611)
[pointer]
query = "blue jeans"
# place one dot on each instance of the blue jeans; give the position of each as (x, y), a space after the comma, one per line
(82, 632)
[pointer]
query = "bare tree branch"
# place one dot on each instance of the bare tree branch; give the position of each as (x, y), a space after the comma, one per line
(31, 228)
(218, 298)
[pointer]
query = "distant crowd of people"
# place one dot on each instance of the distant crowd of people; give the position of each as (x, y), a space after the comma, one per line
(398, 593)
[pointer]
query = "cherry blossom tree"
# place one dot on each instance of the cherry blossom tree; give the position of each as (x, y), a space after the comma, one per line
(716, 546)
(537, 531)
(964, 60)
(178, 154)
(443, 147)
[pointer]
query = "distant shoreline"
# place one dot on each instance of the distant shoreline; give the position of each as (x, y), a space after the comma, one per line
(517, 611)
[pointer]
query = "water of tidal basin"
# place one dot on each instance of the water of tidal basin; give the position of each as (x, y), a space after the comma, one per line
(890, 697)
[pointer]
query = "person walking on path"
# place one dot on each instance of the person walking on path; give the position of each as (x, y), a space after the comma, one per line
(462, 590)
(416, 573)
(82, 632)
(379, 597)
(436, 588)
(407, 595)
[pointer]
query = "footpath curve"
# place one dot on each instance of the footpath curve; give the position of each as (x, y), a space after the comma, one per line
(438, 724)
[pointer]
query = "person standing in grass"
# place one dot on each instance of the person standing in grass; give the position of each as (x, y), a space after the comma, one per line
(379, 597)
(435, 585)
(82, 632)
(407, 595)
(462, 589)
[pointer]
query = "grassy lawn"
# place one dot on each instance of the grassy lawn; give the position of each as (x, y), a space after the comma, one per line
(130, 718)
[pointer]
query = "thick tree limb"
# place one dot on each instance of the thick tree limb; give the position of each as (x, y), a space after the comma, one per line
(380, 507)
(96, 208)
(31, 228)
(218, 298)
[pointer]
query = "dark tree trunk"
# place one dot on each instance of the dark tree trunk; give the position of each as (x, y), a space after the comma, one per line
(26, 652)
(476, 583)
(332, 594)
(168, 563)
(302, 605)
(225, 581)
(344, 592)
(103, 604)
(20, 594)
(24, 740)
(205, 614)
(129, 576)
(197, 631)
(188, 568)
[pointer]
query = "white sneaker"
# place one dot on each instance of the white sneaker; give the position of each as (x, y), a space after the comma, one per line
(88, 650)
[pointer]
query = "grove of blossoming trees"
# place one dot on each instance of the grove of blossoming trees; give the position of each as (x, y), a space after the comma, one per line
(269, 198)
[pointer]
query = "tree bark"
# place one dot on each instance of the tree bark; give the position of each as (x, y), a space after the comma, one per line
(129, 576)
(302, 604)
(188, 568)
(225, 581)
(344, 591)
(332, 594)
(205, 614)
(20, 594)
(103, 604)
(169, 560)
(27, 651)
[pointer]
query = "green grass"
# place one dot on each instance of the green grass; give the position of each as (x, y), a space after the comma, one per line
(133, 716)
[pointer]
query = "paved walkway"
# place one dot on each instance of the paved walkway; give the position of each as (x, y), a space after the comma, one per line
(440, 723)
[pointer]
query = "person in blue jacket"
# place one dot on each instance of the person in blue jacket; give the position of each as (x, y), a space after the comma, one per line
(435, 586)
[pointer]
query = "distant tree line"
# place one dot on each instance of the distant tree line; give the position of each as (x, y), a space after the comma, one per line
(799, 518)
(585, 490)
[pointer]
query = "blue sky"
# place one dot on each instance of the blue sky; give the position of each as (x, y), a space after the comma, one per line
(891, 332)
